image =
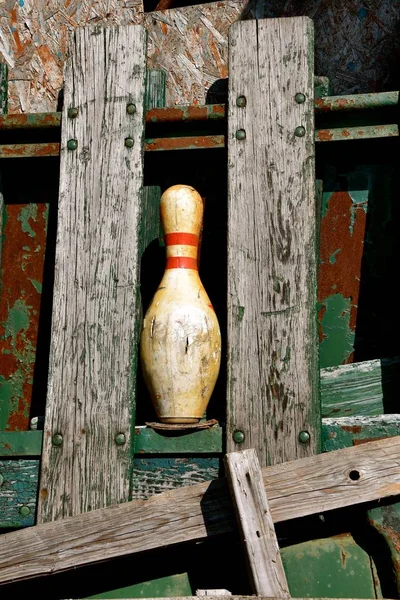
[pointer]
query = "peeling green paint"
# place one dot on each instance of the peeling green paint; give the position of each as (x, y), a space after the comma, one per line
(11, 392)
(326, 196)
(240, 313)
(26, 248)
(332, 258)
(338, 340)
(17, 320)
(37, 285)
(28, 212)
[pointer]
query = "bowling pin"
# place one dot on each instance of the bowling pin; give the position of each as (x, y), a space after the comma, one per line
(180, 345)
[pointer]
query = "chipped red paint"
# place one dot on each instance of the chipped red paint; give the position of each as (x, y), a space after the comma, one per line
(185, 113)
(186, 143)
(30, 121)
(352, 428)
(341, 249)
(29, 150)
(24, 245)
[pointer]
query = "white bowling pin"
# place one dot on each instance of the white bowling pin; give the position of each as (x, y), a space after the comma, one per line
(180, 344)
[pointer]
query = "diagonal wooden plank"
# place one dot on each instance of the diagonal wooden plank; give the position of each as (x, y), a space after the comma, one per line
(295, 489)
(272, 367)
(257, 530)
(86, 442)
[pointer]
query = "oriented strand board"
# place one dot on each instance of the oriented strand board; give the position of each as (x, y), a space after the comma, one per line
(272, 370)
(93, 353)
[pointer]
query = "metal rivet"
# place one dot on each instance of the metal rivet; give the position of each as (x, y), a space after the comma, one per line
(73, 112)
(304, 437)
(238, 436)
(240, 134)
(129, 142)
(1, 480)
(241, 101)
(72, 144)
(24, 511)
(300, 98)
(57, 439)
(300, 131)
(131, 108)
(120, 439)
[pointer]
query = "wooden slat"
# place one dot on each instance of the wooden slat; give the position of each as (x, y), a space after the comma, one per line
(272, 345)
(95, 307)
(295, 489)
(267, 575)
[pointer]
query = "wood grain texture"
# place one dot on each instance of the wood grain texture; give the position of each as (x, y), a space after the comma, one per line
(367, 388)
(191, 44)
(95, 307)
(267, 575)
(295, 489)
(272, 368)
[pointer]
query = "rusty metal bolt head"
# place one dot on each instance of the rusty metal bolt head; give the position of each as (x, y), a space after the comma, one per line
(72, 144)
(300, 131)
(241, 101)
(240, 134)
(131, 108)
(73, 112)
(304, 437)
(120, 439)
(57, 439)
(300, 98)
(238, 436)
(129, 142)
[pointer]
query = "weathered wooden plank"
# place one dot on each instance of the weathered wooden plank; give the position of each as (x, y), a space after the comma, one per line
(18, 490)
(272, 345)
(3, 111)
(20, 443)
(213, 593)
(367, 388)
(295, 489)
(345, 432)
(267, 575)
(86, 456)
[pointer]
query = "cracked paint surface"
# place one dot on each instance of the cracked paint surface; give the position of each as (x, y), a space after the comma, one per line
(343, 222)
(24, 242)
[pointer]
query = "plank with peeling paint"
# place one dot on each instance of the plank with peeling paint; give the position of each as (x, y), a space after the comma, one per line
(18, 489)
(295, 489)
(367, 388)
(272, 389)
(249, 498)
(95, 308)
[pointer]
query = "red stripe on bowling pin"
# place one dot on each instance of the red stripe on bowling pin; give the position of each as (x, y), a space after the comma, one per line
(181, 262)
(181, 239)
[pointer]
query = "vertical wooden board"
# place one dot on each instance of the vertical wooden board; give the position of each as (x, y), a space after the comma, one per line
(257, 530)
(90, 401)
(272, 389)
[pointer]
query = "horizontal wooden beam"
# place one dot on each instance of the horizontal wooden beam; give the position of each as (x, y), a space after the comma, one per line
(295, 489)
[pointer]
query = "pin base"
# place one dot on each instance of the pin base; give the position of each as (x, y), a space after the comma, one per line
(179, 420)
(183, 426)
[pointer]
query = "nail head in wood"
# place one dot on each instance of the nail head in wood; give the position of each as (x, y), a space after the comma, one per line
(300, 131)
(300, 98)
(241, 101)
(129, 142)
(131, 108)
(57, 439)
(120, 439)
(24, 511)
(238, 436)
(72, 144)
(240, 134)
(73, 112)
(304, 437)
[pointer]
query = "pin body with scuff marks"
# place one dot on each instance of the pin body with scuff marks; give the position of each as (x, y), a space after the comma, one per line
(180, 344)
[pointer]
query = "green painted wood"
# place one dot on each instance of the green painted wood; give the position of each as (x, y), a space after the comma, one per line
(18, 489)
(20, 443)
(149, 441)
(330, 568)
(153, 475)
(367, 388)
(162, 587)
(3, 88)
(345, 432)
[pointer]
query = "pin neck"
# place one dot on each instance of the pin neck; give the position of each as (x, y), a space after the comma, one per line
(181, 250)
